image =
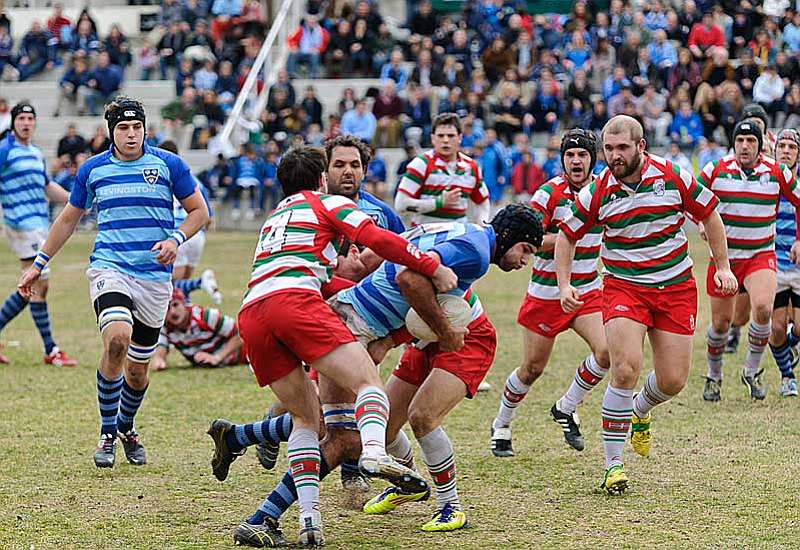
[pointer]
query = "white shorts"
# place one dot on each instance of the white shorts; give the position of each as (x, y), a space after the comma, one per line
(150, 298)
(190, 252)
(25, 244)
(353, 321)
(788, 280)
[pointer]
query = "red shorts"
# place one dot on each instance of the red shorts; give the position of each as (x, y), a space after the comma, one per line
(469, 364)
(741, 269)
(285, 329)
(671, 309)
(546, 317)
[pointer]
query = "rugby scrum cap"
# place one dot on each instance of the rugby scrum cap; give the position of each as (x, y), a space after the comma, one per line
(124, 109)
(19, 108)
(578, 138)
(754, 110)
(516, 223)
(747, 128)
(788, 133)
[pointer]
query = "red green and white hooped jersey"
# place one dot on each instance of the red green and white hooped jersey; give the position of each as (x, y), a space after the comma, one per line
(643, 238)
(748, 205)
(298, 243)
(428, 175)
(554, 200)
(208, 331)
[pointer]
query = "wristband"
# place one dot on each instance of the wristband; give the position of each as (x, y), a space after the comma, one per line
(178, 236)
(439, 201)
(41, 260)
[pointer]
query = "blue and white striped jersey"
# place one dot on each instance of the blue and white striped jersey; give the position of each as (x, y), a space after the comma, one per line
(135, 208)
(23, 178)
(785, 234)
(464, 248)
(380, 212)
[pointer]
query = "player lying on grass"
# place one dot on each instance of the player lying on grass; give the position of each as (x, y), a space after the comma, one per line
(429, 381)
(206, 337)
(541, 314)
(284, 322)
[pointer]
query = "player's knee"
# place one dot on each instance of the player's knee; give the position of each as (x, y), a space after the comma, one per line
(530, 371)
(721, 322)
(671, 383)
(117, 346)
(602, 357)
(422, 421)
(137, 376)
(344, 445)
(625, 373)
(762, 313)
(778, 331)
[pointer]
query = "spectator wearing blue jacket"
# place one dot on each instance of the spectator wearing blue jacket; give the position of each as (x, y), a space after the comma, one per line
(359, 122)
(662, 54)
(36, 52)
(249, 172)
(103, 84)
(687, 126)
(75, 78)
(495, 166)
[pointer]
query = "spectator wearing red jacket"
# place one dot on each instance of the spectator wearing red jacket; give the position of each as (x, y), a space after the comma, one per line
(526, 177)
(56, 23)
(306, 45)
(704, 35)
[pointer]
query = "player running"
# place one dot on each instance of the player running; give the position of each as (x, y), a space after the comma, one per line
(130, 267)
(206, 337)
(641, 200)
(749, 185)
(24, 191)
(443, 184)
(541, 312)
(787, 291)
(285, 322)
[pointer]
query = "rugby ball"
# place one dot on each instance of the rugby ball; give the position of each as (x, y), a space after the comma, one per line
(455, 308)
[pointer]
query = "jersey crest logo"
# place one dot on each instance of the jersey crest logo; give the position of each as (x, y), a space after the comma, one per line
(150, 175)
(764, 179)
(658, 188)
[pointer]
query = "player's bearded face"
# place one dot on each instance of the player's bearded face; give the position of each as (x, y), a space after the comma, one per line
(787, 153)
(622, 154)
(745, 148)
(345, 172)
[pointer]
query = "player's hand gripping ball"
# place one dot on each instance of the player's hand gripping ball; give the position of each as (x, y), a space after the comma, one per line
(456, 309)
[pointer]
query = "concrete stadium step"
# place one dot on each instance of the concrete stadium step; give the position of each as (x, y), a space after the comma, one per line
(44, 95)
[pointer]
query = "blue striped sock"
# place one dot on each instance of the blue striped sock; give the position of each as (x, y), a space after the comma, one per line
(108, 393)
(273, 429)
(783, 358)
(792, 339)
(350, 469)
(129, 403)
(187, 285)
(11, 308)
(283, 496)
(42, 319)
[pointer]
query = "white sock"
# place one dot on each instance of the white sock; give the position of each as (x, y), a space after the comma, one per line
(649, 396)
(588, 375)
(757, 339)
(513, 393)
(437, 452)
(304, 459)
(715, 342)
(617, 410)
(400, 448)
(372, 415)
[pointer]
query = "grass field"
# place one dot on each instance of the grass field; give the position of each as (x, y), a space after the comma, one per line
(719, 475)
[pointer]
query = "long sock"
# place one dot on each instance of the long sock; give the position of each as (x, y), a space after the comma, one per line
(715, 342)
(42, 319)
(588, 375)
(108, 395)
(401, 450)
(735, 331)
(283, 496)
(372, 415)
(513, 393)
(11, 308)
(304, 461)
(617, 410)
(757, 339)
(437, 452)
(783, 358)
(187, 285)
(272, 429)
(350, 469)
(791, 338)
(649, 397)
(129, 403)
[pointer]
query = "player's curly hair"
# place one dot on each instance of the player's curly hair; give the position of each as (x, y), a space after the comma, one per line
(119, 103)
(301, 168)
(364, 150)
(516, 223)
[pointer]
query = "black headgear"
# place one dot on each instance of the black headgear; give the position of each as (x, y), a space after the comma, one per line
(578, 138)
(516, 223)
(19, 108)
(754, 110)
(125, 109)
(746, 128)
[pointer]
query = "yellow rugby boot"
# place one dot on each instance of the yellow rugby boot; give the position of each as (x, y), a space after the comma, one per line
(446, 519)
(641, 437)
(390, 499)
(615, 481)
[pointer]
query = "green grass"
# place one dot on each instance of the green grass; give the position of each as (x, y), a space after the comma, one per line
(719, 475)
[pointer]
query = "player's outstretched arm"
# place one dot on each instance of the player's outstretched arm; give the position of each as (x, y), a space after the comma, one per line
(421, 296)
(405, 203)
(564, 255)
(60, 232)
(717, 242)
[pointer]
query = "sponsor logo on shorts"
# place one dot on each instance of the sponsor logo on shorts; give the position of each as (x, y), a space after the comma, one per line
(620, 307)
(150, 175)
(771, 263)
(544, 327)
(692, 322)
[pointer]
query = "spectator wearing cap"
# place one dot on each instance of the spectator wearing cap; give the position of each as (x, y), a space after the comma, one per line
(704, 35)
(73, 79)
(359, 122)
(103, 83)
(306, 45)
(768, 91)
(687, 126)
(35, 53)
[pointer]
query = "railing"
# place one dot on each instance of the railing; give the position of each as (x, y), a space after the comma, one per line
(271, 58)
